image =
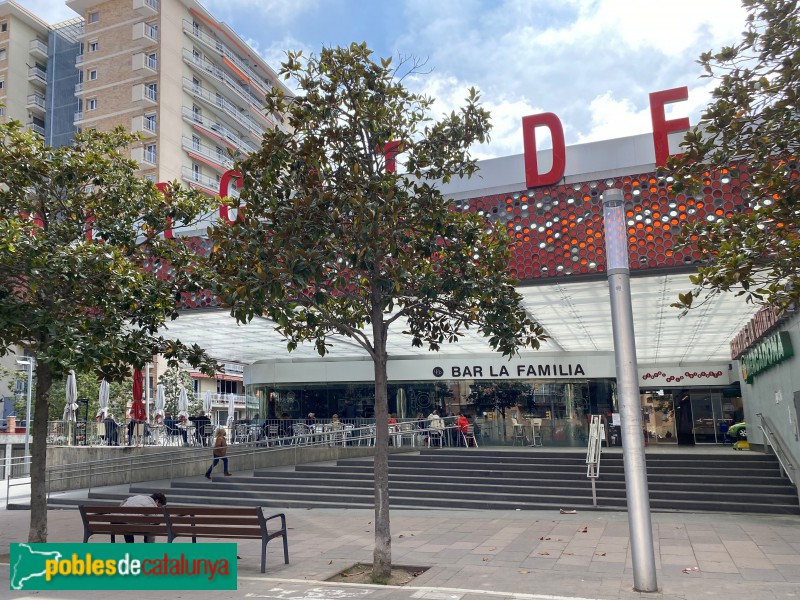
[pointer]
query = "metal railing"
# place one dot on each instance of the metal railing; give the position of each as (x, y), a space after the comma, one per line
(217, 129)
(38, 45)
(220, 158)
(37, 73)
(36, 100)
(246, 453)
(209, 183)
(219, 101)
(209, 68)
(775, 442)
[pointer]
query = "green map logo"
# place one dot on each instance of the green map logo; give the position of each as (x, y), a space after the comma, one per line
(123, 567)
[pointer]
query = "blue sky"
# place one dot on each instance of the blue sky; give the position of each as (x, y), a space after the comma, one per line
(592, 62)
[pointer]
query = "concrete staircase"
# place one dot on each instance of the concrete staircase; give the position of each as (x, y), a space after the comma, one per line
(537, 479)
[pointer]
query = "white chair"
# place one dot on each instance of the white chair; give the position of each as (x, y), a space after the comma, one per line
(468, 435)
(407, 431)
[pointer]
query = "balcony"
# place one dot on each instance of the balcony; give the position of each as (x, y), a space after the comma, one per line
(38, 48)
(145, 33)
(144, 63)
(216, 130)
(145, 8)
(223, 106)
(209, 185)
(144, 94)
(144, 156)
(78, 88)
(206, 67)
(77, 118)
(237, 63)
(35, 103)
(79, 59)
(36, 128)
(144, 124)
(207, 154)
(37, 76)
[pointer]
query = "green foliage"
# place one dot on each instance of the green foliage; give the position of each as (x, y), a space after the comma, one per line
(84, 301)
(334, 243)
(754, 121)
(119, 398)
(172, 379)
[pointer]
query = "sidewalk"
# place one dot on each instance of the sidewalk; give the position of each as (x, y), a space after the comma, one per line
(494, 554)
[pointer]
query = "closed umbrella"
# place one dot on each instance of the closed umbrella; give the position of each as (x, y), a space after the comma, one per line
(104, 394)
(231, 409)
(71, 406)
(159, 401)
(401, 403)
(138, 410)
(207, 404)
(183, 403)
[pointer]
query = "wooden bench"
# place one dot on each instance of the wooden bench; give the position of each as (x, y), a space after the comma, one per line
(121, 520)
(186, 521)
(226, 522)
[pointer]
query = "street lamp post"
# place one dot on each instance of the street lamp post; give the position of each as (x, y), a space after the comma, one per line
(619, 285)
(29, 362)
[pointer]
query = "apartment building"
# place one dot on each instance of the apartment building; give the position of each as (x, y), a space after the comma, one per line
(23, 66)
(171, 71)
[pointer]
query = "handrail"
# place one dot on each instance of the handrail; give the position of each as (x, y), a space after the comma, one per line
(11, 464)
(164, 462)
(594, 451)
(774, 441)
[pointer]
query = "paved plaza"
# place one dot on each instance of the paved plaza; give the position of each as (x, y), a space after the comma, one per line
(492, 554)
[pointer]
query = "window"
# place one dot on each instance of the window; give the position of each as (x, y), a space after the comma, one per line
(196, 386)
(2, 111)
(92, 74)
(94, 17)
(195, 143)
(197, 114)
(150, 122)
(195, 171)
(196, 28)
(150, 153)
(2, 83)
(94, 46)
(151, 30)
(220, 154)
(226, 387)
(3, 26)
(195, 85)
(151, 91)
(91, 104)
(150, 177)
(152, 61)
(2, 53)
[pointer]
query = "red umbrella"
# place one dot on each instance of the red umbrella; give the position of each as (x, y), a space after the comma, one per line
(138, 410)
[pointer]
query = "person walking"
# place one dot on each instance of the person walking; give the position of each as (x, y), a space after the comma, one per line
(156, 499)
(220, 452)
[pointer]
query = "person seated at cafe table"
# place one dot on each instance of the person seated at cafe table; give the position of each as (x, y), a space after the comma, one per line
(202, 427)
(173, 430)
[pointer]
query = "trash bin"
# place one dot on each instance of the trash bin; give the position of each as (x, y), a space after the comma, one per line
(11, 424)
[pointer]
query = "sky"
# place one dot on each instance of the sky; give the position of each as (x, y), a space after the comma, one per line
(591, 62)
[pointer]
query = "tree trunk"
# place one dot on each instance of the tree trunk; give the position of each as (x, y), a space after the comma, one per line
(38, 526)
(382, 557)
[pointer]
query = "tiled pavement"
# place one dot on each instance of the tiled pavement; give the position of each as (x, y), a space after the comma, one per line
(497, 554)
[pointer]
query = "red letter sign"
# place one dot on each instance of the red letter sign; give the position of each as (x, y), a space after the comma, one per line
(532, 176)
(224, 185)
(662, 127)
(164, 189)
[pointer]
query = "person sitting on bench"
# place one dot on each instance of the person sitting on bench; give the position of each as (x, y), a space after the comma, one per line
(155, 499)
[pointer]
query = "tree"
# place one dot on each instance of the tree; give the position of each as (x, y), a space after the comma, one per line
(172, 379)
(332, 240)
(120, 395)
(86, 277)
(753, 126)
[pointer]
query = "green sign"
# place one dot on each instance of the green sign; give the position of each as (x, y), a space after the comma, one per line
(123, 567)
(770, 352)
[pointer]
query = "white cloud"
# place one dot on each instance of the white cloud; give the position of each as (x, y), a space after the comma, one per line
(277, 11)
(49, 11)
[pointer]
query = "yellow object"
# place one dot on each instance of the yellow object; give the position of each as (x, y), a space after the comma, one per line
(741, 445)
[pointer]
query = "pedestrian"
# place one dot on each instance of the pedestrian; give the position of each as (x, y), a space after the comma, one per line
(156, 499)
(220, 452)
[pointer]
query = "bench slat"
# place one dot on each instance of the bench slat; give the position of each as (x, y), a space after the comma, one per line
(214, 531)
(211, 520)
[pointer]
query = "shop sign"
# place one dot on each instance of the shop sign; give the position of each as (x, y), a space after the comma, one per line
(477, 371)
(772, 351)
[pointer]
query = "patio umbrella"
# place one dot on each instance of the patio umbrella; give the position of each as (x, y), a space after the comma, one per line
(401, 403)
(104, 393)
(207, 405)
(159, 401)
(71, 407)
(138, 410)
(183, 403)
(231, 409)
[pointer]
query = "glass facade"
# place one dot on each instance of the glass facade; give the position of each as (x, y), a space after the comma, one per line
(563, 406)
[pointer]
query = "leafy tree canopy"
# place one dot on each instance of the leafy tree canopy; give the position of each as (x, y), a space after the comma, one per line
(754, 121)
(86, 277)
(332, 239)
(172, 379)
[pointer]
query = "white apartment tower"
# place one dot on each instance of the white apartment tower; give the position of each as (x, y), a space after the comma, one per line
(23, 66)
(171, 71)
